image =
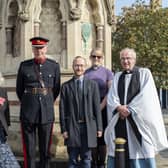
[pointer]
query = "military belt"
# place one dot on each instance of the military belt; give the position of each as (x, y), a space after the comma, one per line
(43, 91)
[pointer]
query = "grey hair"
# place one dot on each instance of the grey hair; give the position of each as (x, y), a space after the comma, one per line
(129, 51)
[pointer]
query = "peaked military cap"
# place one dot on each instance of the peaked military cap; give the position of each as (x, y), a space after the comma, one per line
(39, 41)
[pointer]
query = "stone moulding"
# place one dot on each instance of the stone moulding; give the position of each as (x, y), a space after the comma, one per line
(24, 16)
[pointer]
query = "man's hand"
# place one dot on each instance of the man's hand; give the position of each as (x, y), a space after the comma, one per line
(99, 133)
(123, 111)
(65, 135)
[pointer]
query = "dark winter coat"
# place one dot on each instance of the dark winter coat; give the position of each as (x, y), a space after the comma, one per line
(69, 110)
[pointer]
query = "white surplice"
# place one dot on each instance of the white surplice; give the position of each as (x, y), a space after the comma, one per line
(146, 112)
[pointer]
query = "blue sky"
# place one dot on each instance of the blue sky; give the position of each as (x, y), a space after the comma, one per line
(120, 3)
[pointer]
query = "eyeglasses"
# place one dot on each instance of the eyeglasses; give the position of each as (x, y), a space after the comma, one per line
(126, 58)
(96, 56)
(79, 65)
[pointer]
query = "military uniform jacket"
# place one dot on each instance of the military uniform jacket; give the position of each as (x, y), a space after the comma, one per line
(69, 110)
(37, 108)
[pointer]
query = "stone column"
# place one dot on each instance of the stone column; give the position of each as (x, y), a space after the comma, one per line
(63, 58)
(107, 46)
(36, 28)
(99, 36)
(64, 33)
(74, 46)
(1, 13)
(36, 14)
(9, 39)
(26, 32)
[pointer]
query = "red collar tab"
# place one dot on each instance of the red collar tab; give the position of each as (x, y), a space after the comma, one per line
(40, 60)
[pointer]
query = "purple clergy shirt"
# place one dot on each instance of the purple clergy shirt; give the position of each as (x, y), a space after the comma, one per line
(101, 75)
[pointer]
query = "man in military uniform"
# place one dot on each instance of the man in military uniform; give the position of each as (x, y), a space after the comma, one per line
(37, 87)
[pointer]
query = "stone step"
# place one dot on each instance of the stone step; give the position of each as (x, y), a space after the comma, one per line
(162, 159)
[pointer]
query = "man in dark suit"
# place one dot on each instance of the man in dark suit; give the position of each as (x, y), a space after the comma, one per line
(38, 85)
(80, 115)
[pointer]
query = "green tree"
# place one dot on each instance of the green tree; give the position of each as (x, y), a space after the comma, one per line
(146, 31)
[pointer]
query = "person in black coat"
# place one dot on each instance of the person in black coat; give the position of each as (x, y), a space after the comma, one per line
(80, 116)
(7, 158)
(37, 87)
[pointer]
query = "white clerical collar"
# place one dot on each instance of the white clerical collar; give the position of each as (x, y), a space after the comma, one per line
(96, 67)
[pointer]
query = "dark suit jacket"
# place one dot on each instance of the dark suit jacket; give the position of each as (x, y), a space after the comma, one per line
(69, 110)
(4, 110)
(38, 108)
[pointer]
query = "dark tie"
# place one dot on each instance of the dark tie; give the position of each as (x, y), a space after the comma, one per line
(80, 96)
(79, 88)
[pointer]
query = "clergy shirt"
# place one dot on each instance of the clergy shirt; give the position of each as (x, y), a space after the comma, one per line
(127, 82)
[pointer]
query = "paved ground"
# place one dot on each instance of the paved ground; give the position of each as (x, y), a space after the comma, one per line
(162, 159)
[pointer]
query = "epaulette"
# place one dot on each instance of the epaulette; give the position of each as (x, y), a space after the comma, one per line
(51, 60)
(27, 61)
